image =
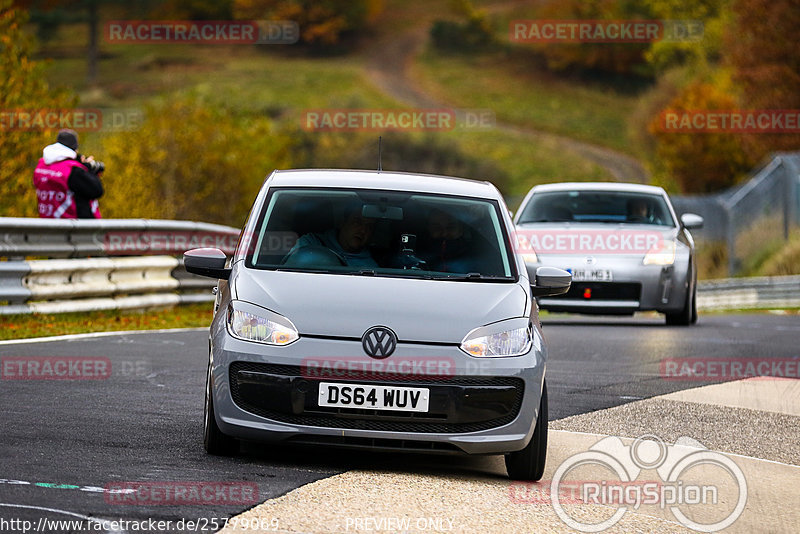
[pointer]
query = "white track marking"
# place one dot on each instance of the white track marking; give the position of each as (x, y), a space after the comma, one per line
(69, 337)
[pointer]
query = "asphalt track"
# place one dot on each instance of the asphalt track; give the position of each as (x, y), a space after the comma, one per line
(63, 441)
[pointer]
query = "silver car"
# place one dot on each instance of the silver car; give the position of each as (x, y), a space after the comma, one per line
(378, 310)
(623, 244)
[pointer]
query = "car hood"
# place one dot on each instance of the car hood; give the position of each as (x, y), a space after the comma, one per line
(346, 306)
(583, 239)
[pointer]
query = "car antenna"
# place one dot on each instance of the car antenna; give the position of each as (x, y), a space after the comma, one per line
(380, 166)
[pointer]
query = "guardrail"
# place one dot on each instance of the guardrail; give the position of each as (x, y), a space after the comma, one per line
(61, 238)
(749, 293)
(90, 272)
(112, 282)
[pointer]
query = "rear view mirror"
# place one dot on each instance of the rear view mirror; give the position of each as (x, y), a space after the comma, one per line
(206, 262)
(691, 221)
(378, 211)
(551, 281)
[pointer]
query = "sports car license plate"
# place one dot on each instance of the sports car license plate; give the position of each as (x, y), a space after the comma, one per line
(591, 275)
(373, 397)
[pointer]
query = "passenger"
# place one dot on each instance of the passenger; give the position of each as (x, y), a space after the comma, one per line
(447, 247)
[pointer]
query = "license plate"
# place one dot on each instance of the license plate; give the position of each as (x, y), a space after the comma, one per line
(373, 397)
(591, 275)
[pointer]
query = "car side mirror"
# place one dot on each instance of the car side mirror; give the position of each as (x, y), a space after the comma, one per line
(691, 221)
(206, 262)
(551, 281)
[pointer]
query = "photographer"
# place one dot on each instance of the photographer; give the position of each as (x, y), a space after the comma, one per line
(67, 183)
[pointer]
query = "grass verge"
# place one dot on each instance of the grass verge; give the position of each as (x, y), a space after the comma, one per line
(523, 96)
(28, 326)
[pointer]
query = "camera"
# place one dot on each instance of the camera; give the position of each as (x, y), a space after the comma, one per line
(94, 166)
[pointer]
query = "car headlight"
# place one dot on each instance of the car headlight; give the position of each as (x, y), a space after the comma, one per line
(662, 253)
(263, 326)
(509, 343)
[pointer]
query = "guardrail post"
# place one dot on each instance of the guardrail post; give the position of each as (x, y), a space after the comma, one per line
(730, 230)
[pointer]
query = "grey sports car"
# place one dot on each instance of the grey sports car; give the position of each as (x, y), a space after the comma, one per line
(378, 310)
(625, 247)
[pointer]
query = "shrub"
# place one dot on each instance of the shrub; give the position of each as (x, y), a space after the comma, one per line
(190, 161)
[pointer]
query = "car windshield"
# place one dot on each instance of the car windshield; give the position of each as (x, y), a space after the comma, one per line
(597, 207)
(381, 233)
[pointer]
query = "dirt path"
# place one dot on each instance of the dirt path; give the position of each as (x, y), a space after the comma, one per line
(389, 64)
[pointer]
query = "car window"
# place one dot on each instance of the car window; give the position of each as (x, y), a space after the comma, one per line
(382, 233)
(597, 207)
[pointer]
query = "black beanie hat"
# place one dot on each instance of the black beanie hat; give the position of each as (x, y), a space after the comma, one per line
(68, 138)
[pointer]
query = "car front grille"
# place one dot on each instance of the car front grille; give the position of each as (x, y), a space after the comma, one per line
(603, 291)
(459, 404)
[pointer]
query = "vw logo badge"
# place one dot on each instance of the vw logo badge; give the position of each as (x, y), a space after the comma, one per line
(379, 342)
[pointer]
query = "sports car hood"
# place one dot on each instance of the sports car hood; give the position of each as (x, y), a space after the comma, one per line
(346, 306)
(618, 240)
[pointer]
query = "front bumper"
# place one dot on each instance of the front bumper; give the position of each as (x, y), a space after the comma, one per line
(477, 406)
(634, 287)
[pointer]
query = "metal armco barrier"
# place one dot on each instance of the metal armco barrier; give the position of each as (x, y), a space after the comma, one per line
(56, 238)
(749, 293)
(102, 264)
(141, 281)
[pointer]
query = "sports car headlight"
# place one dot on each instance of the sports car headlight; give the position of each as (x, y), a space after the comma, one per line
(509, 343)
(662, 253)
(263, 327)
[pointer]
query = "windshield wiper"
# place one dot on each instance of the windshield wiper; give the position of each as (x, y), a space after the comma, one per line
(305, 270)
(471, 276)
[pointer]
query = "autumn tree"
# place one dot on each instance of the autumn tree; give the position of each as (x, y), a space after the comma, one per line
(763, 51)
(23, 89)
(614, 58)
(321, 22)
(700, 162)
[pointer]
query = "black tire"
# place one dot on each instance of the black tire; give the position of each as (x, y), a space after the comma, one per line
(689, 311)
(214, 441)
(528, 464)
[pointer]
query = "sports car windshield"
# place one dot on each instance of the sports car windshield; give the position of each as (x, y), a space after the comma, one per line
(382, 233)
(597, 207)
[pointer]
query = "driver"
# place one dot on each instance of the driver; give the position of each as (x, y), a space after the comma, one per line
(637, 210)
(348, 240)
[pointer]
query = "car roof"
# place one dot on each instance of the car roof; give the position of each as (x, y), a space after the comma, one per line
(390, 180)
(600, 186)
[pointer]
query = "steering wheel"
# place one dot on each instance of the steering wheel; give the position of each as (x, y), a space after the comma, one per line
(314, 256)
